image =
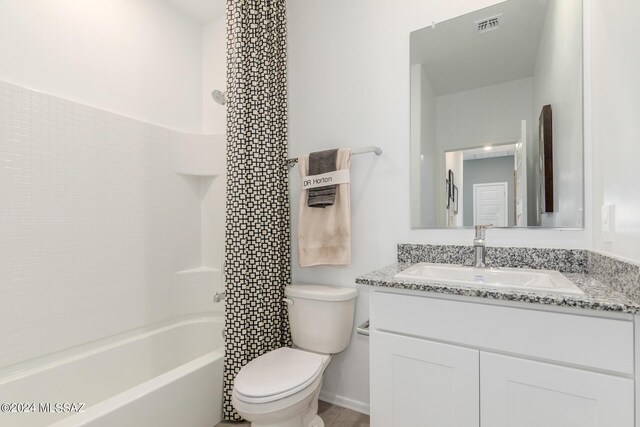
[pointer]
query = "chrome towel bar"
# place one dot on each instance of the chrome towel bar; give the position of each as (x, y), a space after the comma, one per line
(361, 150)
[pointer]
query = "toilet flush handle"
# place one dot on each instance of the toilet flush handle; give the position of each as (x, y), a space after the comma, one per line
(289, 301)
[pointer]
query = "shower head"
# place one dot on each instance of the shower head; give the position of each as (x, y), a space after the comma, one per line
(219, 96)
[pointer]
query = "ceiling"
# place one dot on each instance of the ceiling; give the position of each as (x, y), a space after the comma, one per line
(456, 58)
(201, 11)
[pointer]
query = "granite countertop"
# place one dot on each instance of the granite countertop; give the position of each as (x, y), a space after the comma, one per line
(597, 295)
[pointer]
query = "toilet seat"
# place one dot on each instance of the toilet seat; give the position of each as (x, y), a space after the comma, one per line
(278, 374)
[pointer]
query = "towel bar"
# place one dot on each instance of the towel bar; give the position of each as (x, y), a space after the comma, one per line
(361, 150)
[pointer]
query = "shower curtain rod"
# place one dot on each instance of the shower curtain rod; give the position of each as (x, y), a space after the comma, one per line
(360, 150)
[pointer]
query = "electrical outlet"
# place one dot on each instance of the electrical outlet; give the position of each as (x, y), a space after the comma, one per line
(608, 222)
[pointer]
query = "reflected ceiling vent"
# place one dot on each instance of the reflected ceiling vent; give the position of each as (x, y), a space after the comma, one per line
(488, 24)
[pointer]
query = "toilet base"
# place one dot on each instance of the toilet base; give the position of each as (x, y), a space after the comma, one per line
(317, 422)
(300, 413)
(299, 410)
(307, 418)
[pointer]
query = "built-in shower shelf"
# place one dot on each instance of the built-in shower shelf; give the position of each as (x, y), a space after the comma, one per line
(199, 270)
(198, 174)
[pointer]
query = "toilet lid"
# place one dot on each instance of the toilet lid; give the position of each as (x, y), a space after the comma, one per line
(277, 374)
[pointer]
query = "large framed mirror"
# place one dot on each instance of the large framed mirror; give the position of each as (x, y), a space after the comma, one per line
(497, 118)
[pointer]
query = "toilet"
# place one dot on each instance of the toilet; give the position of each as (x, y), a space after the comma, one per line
(281, 387)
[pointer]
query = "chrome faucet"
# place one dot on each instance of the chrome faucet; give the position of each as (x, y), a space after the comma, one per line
(219, 296)
(479, 247)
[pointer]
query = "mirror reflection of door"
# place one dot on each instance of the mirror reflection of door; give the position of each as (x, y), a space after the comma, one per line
(494, 163)
(490, 204)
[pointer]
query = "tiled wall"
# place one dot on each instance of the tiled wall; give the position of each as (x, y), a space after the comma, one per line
(94, 225)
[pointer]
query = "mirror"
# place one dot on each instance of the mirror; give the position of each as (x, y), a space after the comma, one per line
(497, 118)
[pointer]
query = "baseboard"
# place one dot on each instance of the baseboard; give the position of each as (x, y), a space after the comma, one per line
(344, 402)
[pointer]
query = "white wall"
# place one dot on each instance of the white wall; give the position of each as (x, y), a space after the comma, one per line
(616, 123)
(349, 85)
(214, 75)
(558, 81)
(139, 58)
(484, 116)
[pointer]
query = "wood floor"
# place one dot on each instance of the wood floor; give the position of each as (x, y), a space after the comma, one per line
(332, 415)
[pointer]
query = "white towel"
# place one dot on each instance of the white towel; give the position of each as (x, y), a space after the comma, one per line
(324, 235)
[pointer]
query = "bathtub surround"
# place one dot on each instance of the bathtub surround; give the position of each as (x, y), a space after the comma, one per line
(103, 226)
(94, 221)
(257, 248)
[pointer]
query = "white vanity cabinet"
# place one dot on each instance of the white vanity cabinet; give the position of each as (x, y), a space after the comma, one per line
(525, 393)
(420, 382)
(438, 362)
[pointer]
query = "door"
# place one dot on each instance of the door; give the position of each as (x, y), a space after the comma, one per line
(490, 204)
(415, 382)
(522, 393)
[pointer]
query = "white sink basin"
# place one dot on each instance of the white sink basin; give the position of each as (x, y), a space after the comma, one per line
(521, 279)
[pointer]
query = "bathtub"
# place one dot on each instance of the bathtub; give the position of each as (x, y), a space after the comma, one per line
(166, 376)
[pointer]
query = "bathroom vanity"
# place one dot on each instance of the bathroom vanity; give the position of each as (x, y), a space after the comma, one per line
(445, 354)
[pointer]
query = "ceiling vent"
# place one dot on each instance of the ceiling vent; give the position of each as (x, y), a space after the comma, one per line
(488, 24)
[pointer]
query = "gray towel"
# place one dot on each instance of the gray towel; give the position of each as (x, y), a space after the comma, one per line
(322, 162)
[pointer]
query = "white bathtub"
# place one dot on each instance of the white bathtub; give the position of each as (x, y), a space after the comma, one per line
(169, 376)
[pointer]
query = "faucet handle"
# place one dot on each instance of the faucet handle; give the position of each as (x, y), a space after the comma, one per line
(480, 230)
(219, 296)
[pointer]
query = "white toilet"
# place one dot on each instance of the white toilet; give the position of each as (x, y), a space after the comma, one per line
(281, 387)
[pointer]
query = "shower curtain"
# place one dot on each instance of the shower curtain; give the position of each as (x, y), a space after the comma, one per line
(257, 236)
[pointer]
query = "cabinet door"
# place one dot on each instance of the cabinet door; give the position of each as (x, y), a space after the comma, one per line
(415, 382)
(522, 393)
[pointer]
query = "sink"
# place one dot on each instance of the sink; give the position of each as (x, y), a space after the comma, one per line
(520, 279)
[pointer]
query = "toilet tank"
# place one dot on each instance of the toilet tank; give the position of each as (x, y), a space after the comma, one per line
(321, 317)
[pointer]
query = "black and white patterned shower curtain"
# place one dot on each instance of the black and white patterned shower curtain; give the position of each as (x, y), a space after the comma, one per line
(257, 240)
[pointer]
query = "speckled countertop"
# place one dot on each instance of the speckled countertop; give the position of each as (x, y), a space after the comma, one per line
(597, 295)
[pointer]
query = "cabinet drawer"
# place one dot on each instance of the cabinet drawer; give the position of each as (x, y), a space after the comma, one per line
(579, 340)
